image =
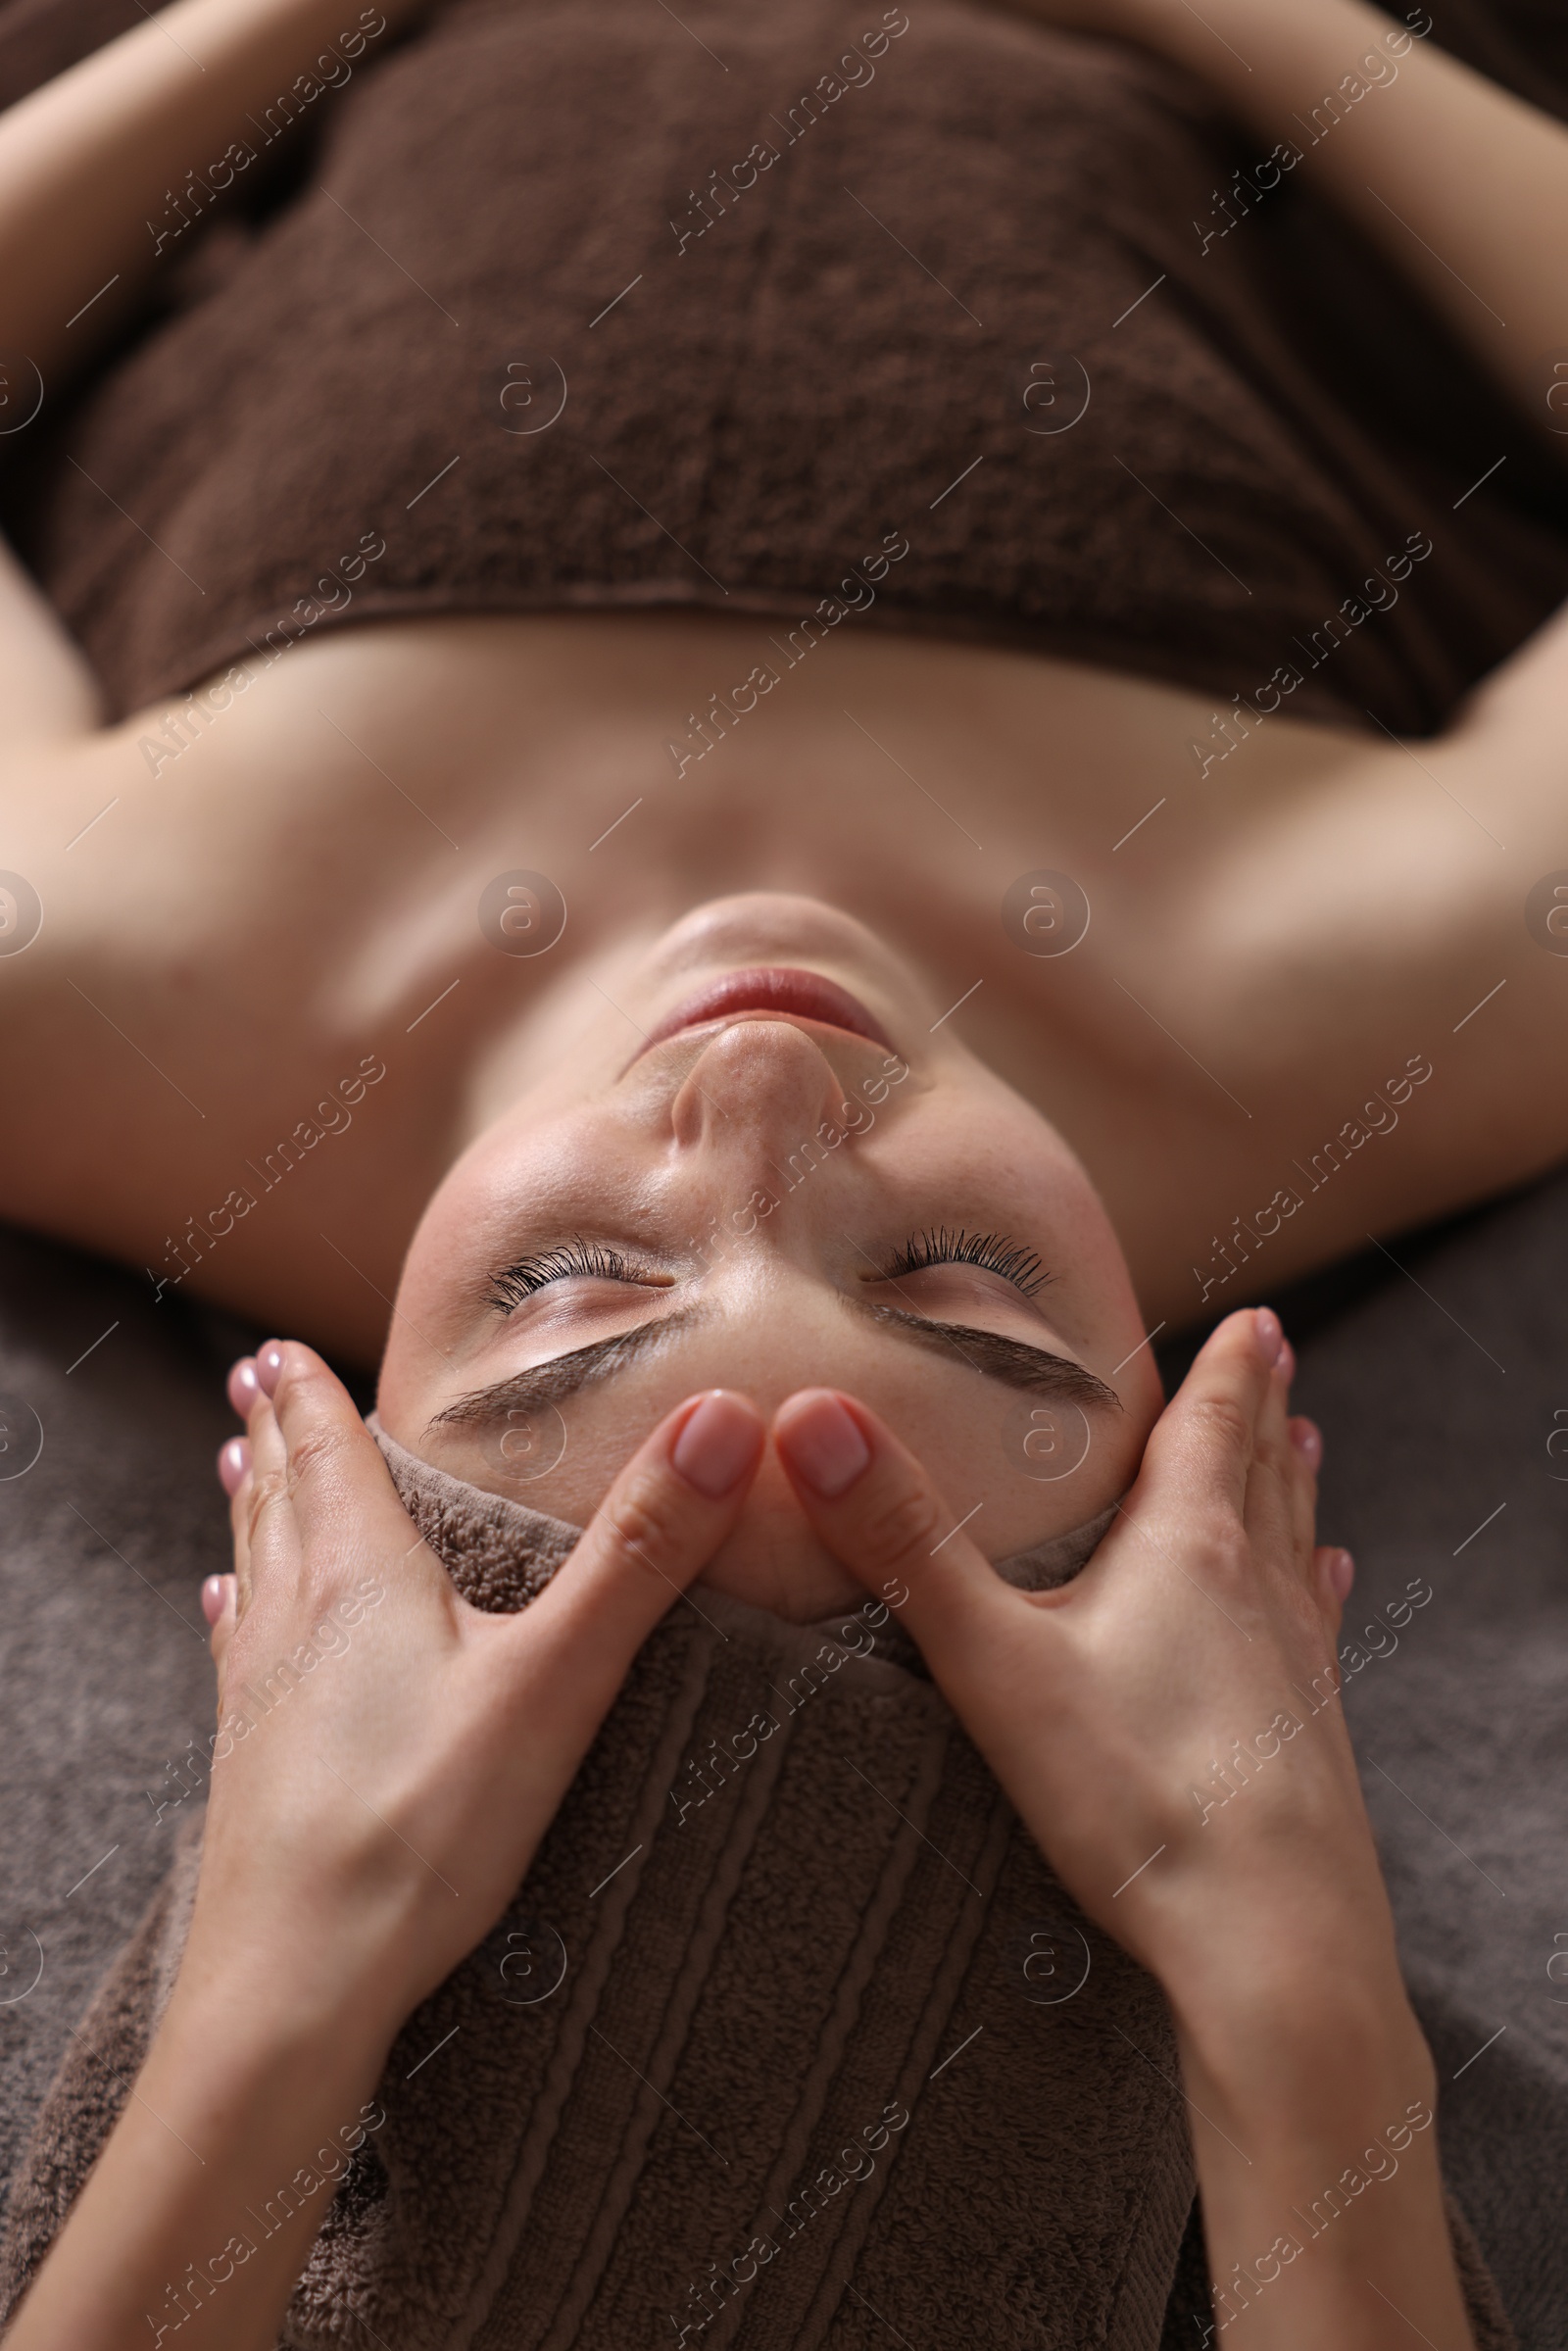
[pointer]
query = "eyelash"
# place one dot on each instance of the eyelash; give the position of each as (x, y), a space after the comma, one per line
(590, 1259)
(994, 1250)
(515, 1283)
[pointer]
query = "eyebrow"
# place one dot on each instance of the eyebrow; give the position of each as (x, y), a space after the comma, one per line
(1015, 1362)
(544, 1383)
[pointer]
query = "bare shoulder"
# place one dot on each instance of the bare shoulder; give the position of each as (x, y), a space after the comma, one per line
(190, 1086)
(1366, 986)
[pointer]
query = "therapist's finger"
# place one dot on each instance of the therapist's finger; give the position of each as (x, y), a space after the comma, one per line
(879, 1514)
(664, 1518)
(1277, 1513)
(1204, 1445)
(220, 1606)
(331, 1472)
(1333, 1574)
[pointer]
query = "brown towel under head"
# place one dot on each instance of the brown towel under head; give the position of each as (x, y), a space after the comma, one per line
(790, 2036)
(823, 291)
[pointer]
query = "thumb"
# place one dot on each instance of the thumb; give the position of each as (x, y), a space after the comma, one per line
(221, 1593)
(879, 1514)
(1202, 1447)
(220, 1607)
(655, 1530)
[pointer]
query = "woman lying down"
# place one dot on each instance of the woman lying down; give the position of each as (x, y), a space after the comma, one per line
(390, 1756)
(776, 1795)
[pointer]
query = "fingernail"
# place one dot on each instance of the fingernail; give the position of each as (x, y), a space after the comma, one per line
(212, 1599)
(825, 1446)
(243, 1387)
(269, 1366)
(1342, 1575)
(1286, 1365)
(717, 1445)
(1265, 1330)
(233, 1464)
(1307, 1438)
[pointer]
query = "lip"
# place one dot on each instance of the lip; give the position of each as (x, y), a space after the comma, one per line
(780, 989)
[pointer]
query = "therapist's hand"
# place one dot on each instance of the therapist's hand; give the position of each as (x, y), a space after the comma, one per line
(1200, 1641)
(1168, 1723)
(387, 1761)
(389, 1757)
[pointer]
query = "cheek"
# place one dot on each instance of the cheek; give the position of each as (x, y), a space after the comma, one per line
(1029, 1466)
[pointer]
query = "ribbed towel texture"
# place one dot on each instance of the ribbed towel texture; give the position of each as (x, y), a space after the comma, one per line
(789, 2037)
(795, 313)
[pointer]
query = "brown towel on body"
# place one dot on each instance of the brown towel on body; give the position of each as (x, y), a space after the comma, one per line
(775, 371)
(790, 2034)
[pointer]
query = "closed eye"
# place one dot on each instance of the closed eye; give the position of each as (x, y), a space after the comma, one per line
(994, 1251)
(573, 1260)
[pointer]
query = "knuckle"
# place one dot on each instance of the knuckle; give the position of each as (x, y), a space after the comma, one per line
(267, 1488)
(316, 1453)
(1223, 1419)
(644, 1526)
(898, 1528)
(1222, 1545)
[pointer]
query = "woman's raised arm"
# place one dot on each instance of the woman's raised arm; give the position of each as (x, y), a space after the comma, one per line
(1458, 181)
(139, 137)
(99, 170)
(1461, 185)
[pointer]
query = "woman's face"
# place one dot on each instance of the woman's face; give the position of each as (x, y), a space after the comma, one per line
(813, 1189)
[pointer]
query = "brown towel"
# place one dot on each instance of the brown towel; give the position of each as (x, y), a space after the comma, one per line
(777, 1951)
(833, 375)
(790, 2035)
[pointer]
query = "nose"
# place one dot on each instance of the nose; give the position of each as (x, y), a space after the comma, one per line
(758, 1095)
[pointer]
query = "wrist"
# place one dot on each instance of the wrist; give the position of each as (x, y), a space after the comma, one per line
(294, 2093)
(1308, 2052)
(251, 2015)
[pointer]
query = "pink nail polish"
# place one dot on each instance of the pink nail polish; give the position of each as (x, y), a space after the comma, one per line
(212, 1599)
(1307, 1438)
(1342, 1575)
(825, 1447)
(1268, 1333)
(233, 1464)
(717, 1445)
(270, 1366)
(1285, 1364)
(243, 1387)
